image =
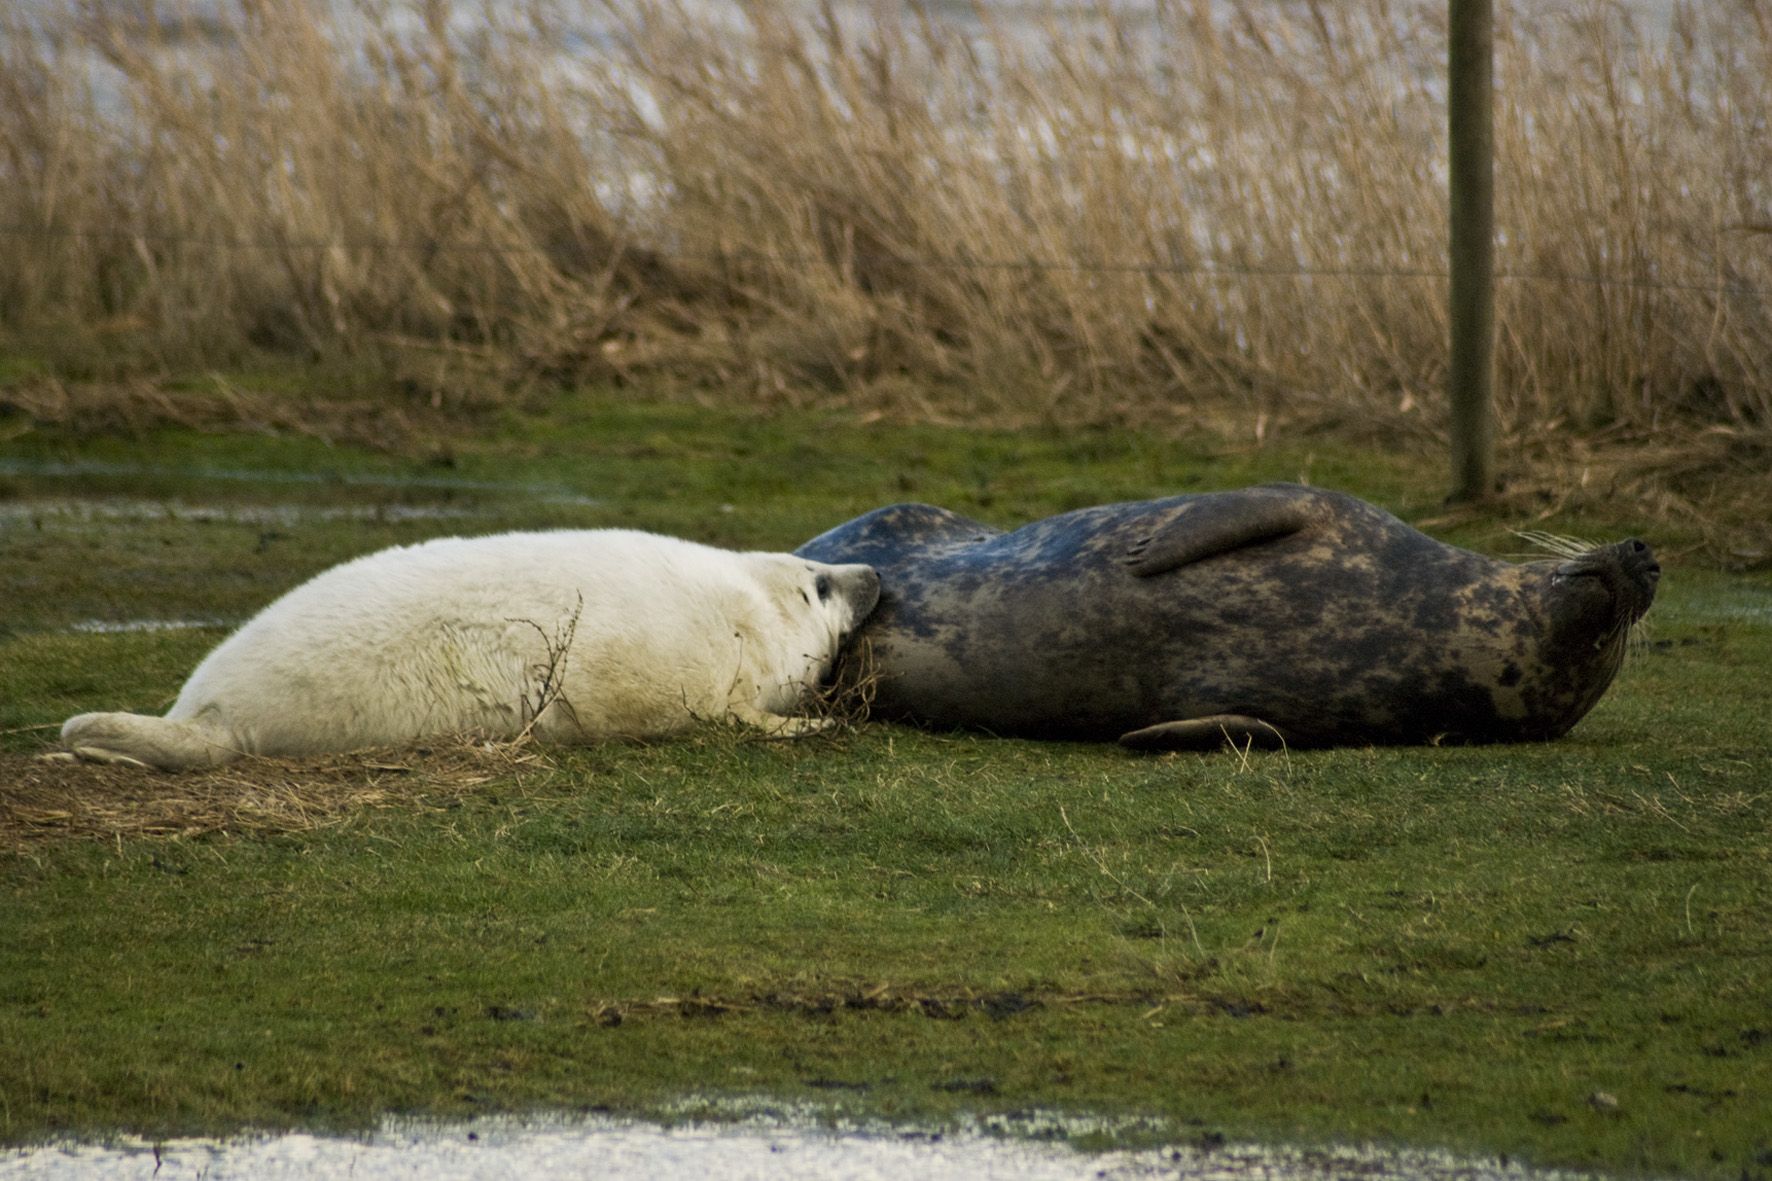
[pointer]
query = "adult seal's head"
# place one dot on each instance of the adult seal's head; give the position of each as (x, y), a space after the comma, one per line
(1277, 614)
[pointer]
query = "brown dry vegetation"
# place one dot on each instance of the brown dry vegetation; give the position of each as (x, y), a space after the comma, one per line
(1230, 211)
(46, 800)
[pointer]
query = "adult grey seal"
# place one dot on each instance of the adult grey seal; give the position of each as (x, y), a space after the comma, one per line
(1275, 614)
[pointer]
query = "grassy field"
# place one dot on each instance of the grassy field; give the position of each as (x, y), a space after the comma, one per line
(1556, 952)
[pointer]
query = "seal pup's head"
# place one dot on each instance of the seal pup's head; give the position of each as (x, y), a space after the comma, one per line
(823, 606)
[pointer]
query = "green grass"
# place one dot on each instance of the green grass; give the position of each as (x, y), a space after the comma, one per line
(1457, 947)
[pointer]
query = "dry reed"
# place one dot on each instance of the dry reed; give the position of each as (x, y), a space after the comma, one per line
(1200, 209)
(43, 800)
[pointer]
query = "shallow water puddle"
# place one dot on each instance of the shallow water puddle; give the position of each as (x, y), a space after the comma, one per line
(1744, 606)
(1739, 601)
(754, 1148)
(116, 626)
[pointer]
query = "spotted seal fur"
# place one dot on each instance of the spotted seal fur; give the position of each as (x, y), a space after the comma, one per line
(1275, 615)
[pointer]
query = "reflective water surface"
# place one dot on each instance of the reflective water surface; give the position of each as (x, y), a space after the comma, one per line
(759, 1148)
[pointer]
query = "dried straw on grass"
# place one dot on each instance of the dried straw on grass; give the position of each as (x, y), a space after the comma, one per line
(849, 698)
(1713, 485)
(42, 800)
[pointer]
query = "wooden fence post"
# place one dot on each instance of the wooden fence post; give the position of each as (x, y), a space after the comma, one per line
(1471, 124)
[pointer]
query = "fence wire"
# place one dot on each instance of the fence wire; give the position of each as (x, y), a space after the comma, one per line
(1215, 271)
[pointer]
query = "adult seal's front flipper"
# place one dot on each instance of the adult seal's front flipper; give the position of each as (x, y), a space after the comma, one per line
(1219, 522)
(1208, 733)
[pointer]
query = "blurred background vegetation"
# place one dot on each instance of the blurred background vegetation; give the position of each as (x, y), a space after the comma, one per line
(1223, 216)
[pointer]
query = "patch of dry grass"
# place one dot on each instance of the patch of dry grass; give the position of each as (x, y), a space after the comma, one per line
(42, 800)
(46, 799)
(1229, 212)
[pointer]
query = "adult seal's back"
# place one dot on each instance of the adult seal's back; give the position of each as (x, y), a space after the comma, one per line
(1276, 614)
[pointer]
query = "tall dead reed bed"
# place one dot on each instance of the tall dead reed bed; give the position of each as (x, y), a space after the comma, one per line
(1169, 211)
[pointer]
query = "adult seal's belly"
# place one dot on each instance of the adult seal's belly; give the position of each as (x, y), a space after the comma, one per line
(1276, 614)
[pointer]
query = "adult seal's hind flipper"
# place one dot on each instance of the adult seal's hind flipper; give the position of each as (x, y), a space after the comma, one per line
(1218, 522)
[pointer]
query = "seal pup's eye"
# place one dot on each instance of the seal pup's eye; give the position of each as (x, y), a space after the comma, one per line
(823, 587)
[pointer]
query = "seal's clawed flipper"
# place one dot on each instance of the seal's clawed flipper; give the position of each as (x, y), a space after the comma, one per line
(1208, 733)
(1217, 523)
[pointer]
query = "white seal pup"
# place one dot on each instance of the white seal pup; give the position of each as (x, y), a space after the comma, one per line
(577, 635)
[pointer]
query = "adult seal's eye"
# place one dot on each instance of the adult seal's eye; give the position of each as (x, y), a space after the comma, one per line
(823, 586)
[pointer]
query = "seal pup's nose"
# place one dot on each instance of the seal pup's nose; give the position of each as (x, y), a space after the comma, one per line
(861, 589)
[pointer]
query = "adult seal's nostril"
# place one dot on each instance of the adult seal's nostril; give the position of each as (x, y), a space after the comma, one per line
(1629, 567)
(1277, 614)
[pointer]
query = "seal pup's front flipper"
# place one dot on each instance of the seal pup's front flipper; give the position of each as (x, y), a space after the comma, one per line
(1218, 522)
(1208, 733)
(775, 725)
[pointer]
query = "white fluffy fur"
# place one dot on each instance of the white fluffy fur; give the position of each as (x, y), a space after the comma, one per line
(454, 635)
